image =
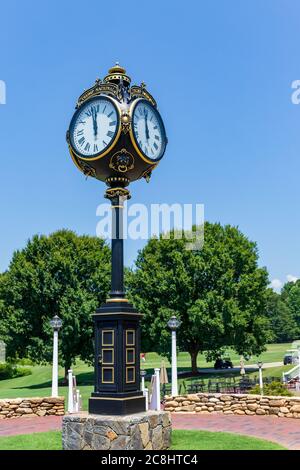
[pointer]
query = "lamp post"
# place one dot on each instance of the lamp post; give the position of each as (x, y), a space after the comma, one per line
(260, 364)
(56, 324)
(174, 324)
(143, 375)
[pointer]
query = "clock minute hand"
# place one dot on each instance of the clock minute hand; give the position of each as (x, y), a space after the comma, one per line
(95, 126)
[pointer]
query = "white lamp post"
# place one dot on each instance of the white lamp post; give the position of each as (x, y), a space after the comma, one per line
(143, 375)
(261, 386)
(56, 324)
(174, 324)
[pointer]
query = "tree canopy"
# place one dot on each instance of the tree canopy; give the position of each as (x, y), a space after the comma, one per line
(283, 321)
(63, 274)
(218, 292)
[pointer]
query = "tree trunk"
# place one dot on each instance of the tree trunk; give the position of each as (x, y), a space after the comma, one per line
(194, 355)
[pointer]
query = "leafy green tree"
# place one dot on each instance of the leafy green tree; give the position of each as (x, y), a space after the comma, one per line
(218, 292)
(282, 320)
(290, 295)
(63, 274)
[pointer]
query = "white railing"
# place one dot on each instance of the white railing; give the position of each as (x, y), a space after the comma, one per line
(291, 374)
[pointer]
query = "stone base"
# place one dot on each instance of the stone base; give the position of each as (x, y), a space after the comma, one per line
(140, 431)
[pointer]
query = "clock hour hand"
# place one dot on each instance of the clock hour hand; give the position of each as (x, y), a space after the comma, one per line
(146, 124)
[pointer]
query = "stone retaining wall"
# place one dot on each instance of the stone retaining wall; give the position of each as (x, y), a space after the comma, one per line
(17, 407)
(239, 404)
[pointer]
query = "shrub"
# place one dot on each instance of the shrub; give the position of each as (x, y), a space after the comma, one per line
(24, 361)
(274, 388)
(10, 371)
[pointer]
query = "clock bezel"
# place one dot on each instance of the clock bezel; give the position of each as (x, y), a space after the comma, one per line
(115, 138)
(134, 141)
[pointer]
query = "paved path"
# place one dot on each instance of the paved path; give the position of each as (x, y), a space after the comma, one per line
(284, 431)
(14, 426)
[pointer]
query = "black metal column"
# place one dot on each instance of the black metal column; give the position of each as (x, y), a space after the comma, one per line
(117, 249)
(117, 333)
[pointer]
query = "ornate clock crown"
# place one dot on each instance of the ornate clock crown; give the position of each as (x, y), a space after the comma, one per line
(117, 74)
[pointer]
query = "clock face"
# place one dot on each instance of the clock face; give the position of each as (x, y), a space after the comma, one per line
(94, 127)
(148, 130)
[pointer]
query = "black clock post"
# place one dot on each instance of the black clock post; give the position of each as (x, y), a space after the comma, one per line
(117, 334)
(117, 136)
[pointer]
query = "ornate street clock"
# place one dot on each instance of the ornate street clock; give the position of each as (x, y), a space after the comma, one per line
(116, 130)
(117, 136)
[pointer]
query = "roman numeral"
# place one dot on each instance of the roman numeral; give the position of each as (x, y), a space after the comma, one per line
(81, 122)
(104, 143)
(110, 114)
(110, 134)
(80, 132)
(104, 109)
(140, 111)
(81, 141)
(113, 123)
(95, 148)
(155, 145)
(152, 151)
(156, 137)
(146, 150)
(87, 147)
(155, 127)
(151, 119)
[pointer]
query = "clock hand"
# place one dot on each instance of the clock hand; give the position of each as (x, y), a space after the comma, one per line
(146, 125)
(95, 126)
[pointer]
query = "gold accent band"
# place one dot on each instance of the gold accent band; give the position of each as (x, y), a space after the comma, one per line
(118, 399)
(117, 300)
(118, 313)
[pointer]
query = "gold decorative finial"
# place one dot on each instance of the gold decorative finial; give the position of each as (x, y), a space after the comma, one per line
(117, 74)
(117, 69)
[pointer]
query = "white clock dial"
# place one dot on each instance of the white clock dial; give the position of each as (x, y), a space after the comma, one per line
(94, 127)
(148, 130)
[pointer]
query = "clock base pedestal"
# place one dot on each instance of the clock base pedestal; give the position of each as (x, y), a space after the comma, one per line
(115, 405)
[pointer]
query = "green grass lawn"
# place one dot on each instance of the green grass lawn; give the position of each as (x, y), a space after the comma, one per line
(206, 440)
(39, 383)
(38, 441)
(181, 440)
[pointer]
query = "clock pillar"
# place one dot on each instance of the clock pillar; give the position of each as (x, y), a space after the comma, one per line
(117, 136)
(117, 333)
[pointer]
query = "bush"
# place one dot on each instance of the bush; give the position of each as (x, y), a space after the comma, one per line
(276, 389)
(10, 371)
(24, 361)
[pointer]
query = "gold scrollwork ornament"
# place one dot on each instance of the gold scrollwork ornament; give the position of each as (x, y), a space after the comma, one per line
(125, 122)
(122, 161)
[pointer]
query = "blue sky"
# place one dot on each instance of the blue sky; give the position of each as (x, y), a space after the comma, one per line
(221, 72)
